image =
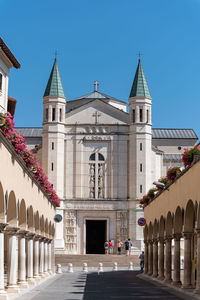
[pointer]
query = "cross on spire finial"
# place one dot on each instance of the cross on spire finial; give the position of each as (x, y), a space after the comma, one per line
(96, 86)
(139, 55)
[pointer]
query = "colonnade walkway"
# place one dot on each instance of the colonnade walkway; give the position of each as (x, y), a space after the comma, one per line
(107, 285)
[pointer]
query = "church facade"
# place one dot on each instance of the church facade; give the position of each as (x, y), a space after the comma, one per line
(102, 160)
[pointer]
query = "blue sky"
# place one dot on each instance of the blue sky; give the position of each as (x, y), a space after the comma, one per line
(99, 40)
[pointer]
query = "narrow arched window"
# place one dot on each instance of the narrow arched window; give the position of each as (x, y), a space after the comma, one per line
(96, 175)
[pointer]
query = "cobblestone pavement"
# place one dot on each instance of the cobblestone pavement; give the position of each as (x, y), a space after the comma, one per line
(91, 286)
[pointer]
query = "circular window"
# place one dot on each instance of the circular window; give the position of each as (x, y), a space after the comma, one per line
(179, 147)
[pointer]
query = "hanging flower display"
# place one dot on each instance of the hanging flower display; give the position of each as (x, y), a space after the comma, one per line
(172, 172)
(151, 193)
(144, 201)
(19, 143)
(188, 155)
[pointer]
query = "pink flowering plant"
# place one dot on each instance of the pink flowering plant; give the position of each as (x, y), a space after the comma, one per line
(144, 201)
(188, 155)
(19, 143)
(172, 172)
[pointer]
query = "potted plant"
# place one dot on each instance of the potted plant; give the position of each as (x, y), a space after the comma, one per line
(189, 154)
(144, 201)
(151, 193)
(163, 180)
(172, 173)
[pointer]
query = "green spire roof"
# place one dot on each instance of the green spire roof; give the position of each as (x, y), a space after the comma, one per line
(140, 87)
(54, 85)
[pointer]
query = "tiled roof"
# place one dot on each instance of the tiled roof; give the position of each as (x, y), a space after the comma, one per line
(140, 86)
(161, 133)
(9, 54)
(173, 157)
(164, 133)
(98, 95)
(54, 85)
(30, 131)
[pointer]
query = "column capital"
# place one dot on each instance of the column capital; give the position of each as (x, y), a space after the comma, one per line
(2, 226)
(198, 231)
(150, 242)
(37, 237)
(12, 230)
(155, 241)
(22, 233)
(161, 239)
(168, 238)
(177, 236)
(30, 235)
(187, 235)
(146, 242)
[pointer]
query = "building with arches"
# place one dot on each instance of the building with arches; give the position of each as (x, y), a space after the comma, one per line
(102, 159)
(172, 232)
(26, 210)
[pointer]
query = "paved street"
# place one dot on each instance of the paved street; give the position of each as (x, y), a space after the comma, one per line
(108, 285)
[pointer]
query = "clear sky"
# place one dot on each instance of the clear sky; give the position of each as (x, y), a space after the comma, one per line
(99, 40)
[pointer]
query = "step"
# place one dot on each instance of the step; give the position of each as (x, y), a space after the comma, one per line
(93, 259)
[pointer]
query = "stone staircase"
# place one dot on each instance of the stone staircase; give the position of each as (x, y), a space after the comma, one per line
(93, 260)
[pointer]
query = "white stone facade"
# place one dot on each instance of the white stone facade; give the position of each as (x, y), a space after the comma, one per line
(101, 160)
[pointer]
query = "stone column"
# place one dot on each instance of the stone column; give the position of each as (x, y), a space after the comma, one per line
(49, 257)
(155, 257)
(168, 259)
(12, 260)
(161, 259)
(187, 261)
(36, 257)
(197, 289)
(176, 279)
(22, 259)
(30, 258)
(3, 294)
(150, 258)
(46, 260)
(137, 114)
(145, 257)
(42, 257)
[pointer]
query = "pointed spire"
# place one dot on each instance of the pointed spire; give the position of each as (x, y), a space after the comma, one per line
(140, 87)
(54, 85)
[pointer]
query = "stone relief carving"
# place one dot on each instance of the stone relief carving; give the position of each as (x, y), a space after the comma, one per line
(70, 231)
(122, 225)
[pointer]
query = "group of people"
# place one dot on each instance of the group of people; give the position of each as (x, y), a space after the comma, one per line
(108, 246)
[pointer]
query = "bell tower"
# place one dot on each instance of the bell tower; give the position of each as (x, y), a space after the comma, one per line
(140, 148)
(54, 102)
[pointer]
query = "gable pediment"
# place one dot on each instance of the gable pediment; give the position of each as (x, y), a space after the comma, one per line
(99, 111)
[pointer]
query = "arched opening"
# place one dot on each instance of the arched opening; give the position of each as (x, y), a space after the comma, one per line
(161, 227)
(12, 209)
(146, 233)
(46, 227)
(50, 229)
(169, 225)
(30, 218)
(2, 204)
(22, 214)
(97, 176)
(155, 229)
(42, 224)
(178, 224)
(37, 222)
(189, 217)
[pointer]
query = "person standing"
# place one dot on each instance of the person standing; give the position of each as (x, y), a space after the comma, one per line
(126, 247)
(129, 246)
(141, 257)
(119, 246)
(106, 246)
(110, 245)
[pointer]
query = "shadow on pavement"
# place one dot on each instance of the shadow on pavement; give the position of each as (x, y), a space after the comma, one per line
(122, 285)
